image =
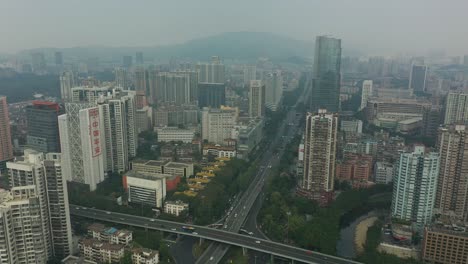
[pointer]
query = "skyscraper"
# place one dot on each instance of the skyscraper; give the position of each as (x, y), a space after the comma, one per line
(320, 154)
(6, 148)
(121, 78)
(366, 93)
(140, 79)
(326, 75)
(139, 58)
(42, 123)
(67, 81)
(456, 108)
(257, 99)
(452, 197)
(414, 186)
(417, 80)
(250, 73)
(82, 142)
(174, 87)
(211, 72)
(211, 95)
(43, 173)
(273, 90)
(21, 227)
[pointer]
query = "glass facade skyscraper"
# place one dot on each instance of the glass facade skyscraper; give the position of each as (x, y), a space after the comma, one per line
(326, 77)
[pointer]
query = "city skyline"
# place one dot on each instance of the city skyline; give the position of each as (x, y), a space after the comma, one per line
(395, 18)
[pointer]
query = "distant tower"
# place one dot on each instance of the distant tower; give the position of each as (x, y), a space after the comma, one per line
(139, 58)
(127, 61)
(366, 93)
(327, 77)
(6, 148)
(121, 78)
(43, 134)
(140, 80)
(414, 186)
(320, 154)
(250, 74)
(273, 90)
(417, 80)
(67, 82)
(211, 72)
(38, 62)
(456, 108)
(256, 99)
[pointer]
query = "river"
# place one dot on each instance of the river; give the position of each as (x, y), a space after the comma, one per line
(345, 246)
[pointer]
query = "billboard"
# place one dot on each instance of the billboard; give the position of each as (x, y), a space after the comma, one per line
(94, 132)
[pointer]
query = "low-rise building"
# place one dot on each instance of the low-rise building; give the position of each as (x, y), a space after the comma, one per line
(145, 188)
(101, 252)
(351, 126)
(77, 260)
(144, 119)
(383, 172)
(445, 244)
(110, 234)
(219, 151)
(175, 207)
(174, 134)
(163, 166)
(248, 137)
(145, 256)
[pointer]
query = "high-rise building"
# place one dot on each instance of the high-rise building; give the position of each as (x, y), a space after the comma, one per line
(121, 78)
(211, 95)
(217, 124)
(320, 153)
(250, 74)
(465, 60)
(83, 143)
(173, 87)
(417, 80)
(38, 62)
(139, 58)
(44, 174)
(257, 99)
(59, 215)
(140, 80)
(273, 90)
(21, 227)
(366, 93)
(42, 123)
(414, 186)
(432, 118)
(451, 196)
(445, 244)
(127, 61)
(58, 58)
(211, 72)
(67, 82)
(326, 76)
(456, 108)
(6, 148)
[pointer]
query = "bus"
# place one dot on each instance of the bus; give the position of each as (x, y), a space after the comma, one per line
(188, 228)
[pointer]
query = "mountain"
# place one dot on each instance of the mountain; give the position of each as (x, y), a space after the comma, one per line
(231, 45)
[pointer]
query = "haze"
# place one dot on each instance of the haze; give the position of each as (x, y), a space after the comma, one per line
(381, 27)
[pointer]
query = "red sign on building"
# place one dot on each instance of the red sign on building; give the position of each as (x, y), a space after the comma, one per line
(94, 132)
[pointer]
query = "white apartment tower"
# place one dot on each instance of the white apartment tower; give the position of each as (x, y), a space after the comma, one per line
(82, 142)
(256, 99)
(217, 124)
(320, 153)
(414, 186)
(366, 93)
(250, 73)
(273, 90)
(22, 236)
(211, 72)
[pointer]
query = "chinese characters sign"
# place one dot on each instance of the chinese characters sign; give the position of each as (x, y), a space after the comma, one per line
(94, 132)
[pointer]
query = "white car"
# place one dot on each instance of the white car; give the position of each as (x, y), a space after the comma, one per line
(195, 233)
(152, 220)
(211, 258)
(173, 229)
(108, 212)
(257, 241)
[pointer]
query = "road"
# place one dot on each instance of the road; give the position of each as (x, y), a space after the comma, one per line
(225, 237)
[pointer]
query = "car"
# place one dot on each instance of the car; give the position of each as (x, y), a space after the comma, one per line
(211, 258)
(108, 213)
(308, 252)
(152, 220)
(269, 167)
(173, 229)
(235, 215)
(250, 233)
(257, 241)
(77, 208)
(195, 233)
(225, 226)
(121, 219)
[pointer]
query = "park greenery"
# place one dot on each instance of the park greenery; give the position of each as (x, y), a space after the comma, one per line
(18, 87)
(288, 218)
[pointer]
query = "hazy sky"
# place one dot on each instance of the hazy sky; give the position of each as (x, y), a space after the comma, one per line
(378, 26)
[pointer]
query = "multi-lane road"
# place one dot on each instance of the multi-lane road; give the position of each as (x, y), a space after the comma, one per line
(221, 236)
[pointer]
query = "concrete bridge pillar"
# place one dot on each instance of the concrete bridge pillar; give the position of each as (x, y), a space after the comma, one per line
(200, 242)
(244, 251)
(272, 259)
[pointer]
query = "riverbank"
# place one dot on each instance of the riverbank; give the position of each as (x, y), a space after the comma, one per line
(360, 235)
